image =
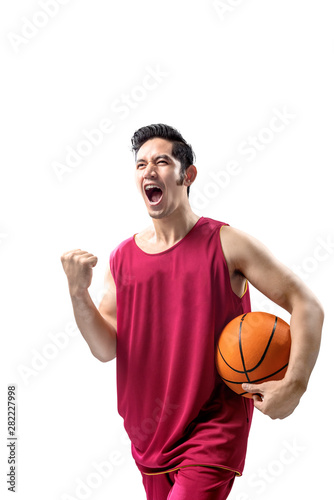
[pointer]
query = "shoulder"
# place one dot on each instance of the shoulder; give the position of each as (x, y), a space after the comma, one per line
(125, 245)
(238, 246)
(246, 254)
(232, 236)
(119, 250)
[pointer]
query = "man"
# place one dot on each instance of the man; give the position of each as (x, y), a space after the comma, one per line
(170, 291)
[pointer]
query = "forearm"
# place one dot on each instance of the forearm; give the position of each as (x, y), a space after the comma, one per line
(305, 325)
(278, 399)
(99, 334)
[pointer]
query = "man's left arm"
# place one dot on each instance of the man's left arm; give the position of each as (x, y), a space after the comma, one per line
(254, 261)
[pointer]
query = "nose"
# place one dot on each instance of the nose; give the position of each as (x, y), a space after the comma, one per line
(149, 169)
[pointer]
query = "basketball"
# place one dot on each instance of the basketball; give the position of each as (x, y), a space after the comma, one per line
(253, 348)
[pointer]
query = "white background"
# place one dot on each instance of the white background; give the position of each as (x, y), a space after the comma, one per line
(224, 75)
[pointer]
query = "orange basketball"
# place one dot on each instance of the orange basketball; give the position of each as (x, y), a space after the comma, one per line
(254, 347)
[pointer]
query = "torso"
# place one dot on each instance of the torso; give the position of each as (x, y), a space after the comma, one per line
(172, 325)
(144, 240)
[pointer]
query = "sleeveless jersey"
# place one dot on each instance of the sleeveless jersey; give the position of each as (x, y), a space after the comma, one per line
(171, 309)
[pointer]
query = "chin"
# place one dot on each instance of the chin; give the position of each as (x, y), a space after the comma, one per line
(155, 215)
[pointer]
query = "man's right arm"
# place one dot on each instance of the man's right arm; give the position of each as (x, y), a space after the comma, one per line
(97, 326)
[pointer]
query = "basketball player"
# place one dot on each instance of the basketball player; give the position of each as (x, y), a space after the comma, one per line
(171, 289)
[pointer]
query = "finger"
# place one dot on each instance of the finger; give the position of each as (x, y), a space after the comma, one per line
(92, 261)
(71, 251)
(81, 253)
(259, 406)
(257, 398)
(253, 388)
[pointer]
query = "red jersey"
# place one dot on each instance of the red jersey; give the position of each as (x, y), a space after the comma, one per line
(171, 309)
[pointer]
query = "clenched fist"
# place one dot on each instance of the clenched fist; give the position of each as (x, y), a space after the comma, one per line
(78, 266)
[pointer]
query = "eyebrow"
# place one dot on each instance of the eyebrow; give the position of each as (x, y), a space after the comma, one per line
(164, 157)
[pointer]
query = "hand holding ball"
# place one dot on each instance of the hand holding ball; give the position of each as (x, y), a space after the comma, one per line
(253, 348)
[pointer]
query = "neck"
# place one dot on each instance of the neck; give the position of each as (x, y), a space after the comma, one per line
(172, 228)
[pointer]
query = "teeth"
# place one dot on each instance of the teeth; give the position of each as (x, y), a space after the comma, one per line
(150, 186)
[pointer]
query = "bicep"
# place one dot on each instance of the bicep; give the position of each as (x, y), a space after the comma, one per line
(265, 272)
(107, 306)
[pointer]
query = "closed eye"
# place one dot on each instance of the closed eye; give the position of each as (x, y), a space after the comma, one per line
(142, 165)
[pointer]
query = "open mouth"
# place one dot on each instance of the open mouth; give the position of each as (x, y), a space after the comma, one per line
(154, 194)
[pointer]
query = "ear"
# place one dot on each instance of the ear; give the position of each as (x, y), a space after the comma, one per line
(190, 176)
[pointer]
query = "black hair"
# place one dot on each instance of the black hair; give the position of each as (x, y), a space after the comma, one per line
(182, 151)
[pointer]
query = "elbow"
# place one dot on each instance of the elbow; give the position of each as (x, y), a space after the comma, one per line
(105, 360)
(304, 299)
(315, 306)
(321, 311)
(104, 357)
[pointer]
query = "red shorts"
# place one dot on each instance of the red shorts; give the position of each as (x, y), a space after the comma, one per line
(195, 483)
